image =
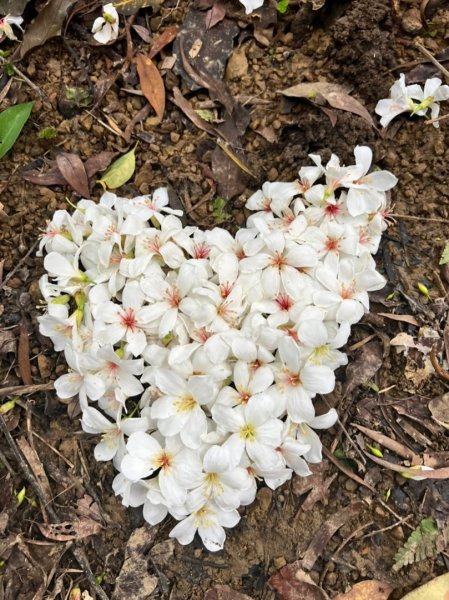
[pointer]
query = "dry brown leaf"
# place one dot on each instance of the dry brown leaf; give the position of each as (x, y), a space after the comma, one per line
(439, 407)
(35, 463)
(99, 162)
(23, 355)
(72, 169)
(143, 33)
(214, 15)
(130, 7)
(68, 531)
(151, 83)
(293, 583)
(336, 95)
(48, 24)
(51, 177)
(8, 342)
(404, 318)
(163, 40)
(87, 508)
(367, 590)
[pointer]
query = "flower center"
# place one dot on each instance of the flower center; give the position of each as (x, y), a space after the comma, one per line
(200, 251)
(163, 460)
(332, 245)
(278, 260)
(284, 301)
(185, 404)
(346, 292)
(248, 432)
(173, 297)
(245, 395)
(128, 319)
(332, 210)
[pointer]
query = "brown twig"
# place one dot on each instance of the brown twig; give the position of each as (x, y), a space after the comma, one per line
(28, 81)
(346, 471)
(412, 218)
(432, 59)
(387, 442)
(19, 264)
(400, 522)
(21, 390)
(436, 365)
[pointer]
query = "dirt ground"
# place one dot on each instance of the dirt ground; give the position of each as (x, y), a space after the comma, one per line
(358, 43)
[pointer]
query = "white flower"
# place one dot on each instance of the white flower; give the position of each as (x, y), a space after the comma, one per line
(105, 28)
(178, 468)
(303, 433)
(5, 25)
(179, 409)
(298, 381)
(209, 521)
(253, 428)
(402, 96)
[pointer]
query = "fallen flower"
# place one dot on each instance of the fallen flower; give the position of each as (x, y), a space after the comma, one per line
(105, 28)
(5, 25)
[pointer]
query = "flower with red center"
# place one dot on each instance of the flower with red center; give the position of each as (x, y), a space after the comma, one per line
(201, 250)
(284, 301)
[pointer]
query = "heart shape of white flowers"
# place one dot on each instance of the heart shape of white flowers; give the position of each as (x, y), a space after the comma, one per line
(195, 354)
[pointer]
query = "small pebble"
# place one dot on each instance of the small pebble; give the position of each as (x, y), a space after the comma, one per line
(279, 562)
(411, 21)
(174, 137)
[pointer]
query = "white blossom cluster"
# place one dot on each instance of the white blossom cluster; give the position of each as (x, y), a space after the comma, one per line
(196, 355)
(413, 99)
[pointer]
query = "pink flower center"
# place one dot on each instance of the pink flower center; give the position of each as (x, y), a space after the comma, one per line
(278, 260)
(332, 210)
(173, 297)
(128, 319)
(225, 289)
(332, 245)
(284, 301)
(200, 250)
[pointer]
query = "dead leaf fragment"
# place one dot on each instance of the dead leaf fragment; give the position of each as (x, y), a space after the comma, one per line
(151, 83)
(367, 590)
(134, 581)
(439, 407)
(24, 355)
(237, 65)
(68, 531)
(130, 7)
(214, 15)
(163, 40)
(48, 24)
(367, 362)
(293, 583)
(72, 169)
(336, 95)
(36, 465)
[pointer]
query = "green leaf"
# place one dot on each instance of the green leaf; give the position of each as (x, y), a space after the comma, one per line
(445, 256)
(282, 6)
(12, 121)
(120, 171)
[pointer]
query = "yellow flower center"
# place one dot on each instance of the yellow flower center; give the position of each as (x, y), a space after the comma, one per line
(185, 404)
(248, 432)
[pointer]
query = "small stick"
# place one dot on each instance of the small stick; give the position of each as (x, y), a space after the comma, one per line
(81, 557)
(438, 369)
(412, 218)
(400, 522)
(19, 264)
(346, 471)
(21, 390)
(432, 59)
(32, 85)
(437, 120)
(387, 442)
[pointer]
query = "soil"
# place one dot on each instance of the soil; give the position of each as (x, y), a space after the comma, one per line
(358, 43)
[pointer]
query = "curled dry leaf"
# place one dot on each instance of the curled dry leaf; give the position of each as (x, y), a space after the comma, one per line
(151, 83)
(368, 590)
(293, 583)
(72, 169)
(366, 364)
(439, 407)
(336, 95)
(24, 354)
(214, 15)
(35, 464)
